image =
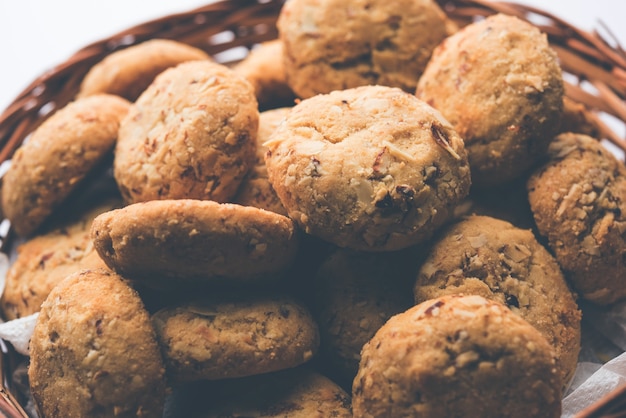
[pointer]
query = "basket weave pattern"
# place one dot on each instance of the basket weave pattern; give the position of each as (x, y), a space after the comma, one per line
(594, 66)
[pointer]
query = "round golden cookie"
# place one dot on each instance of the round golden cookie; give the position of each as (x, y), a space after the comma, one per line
(58, 155)
(45, 260)
(499, 84)
(578, 199)
(256, 189)
(94, 352)
(177, 243)
(228, 336)
(294, 393)
(457, 356)
(333, 45)
(491, 258)
(354, 294)
(371, 168)
(263, 67)
(129, 71)
(190, 135)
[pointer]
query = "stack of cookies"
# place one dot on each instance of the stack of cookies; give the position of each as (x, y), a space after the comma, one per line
(376, 215)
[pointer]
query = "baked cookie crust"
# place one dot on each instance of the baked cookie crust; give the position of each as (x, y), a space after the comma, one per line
(371, 168)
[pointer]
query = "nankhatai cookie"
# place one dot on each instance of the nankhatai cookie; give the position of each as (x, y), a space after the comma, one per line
(264, 68)
(295, 393)
(457, 356)
(191, 134)
(228, 336)
(129, 71)
(490, 257)
(256, 189)
(185, 242)
(94, 352)
(578, 198)
(59, 154)
(499, 84)
(371, 168)
(354, 294)
(333, 45)
(45, 260)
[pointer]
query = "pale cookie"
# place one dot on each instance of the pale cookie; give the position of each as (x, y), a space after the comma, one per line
(333, 45)
(457, 356)
(256, 189)
(45, 260)
(263, 67)
(578, 198)
(191, 134)
(57, 157)
(295, 393)
(489, 257)
(228, 336)
(176, 243)
(94, 352)
(499, 84)
(371, 168)
(129, 71)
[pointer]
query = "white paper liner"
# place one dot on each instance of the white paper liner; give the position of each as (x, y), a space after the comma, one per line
(18, 332)
(596, 385)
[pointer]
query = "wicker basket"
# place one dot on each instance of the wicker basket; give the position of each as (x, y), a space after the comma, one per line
(594, 70)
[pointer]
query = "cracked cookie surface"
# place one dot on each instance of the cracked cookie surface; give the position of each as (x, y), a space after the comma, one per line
(491, 258)
(457, 356)
(333, 44)
(371, 168)
(578, 199)
(190, 135)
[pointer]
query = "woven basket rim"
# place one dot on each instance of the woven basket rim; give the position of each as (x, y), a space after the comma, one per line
(595, 61)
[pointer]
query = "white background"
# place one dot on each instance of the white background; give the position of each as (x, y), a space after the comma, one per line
(36, 35)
